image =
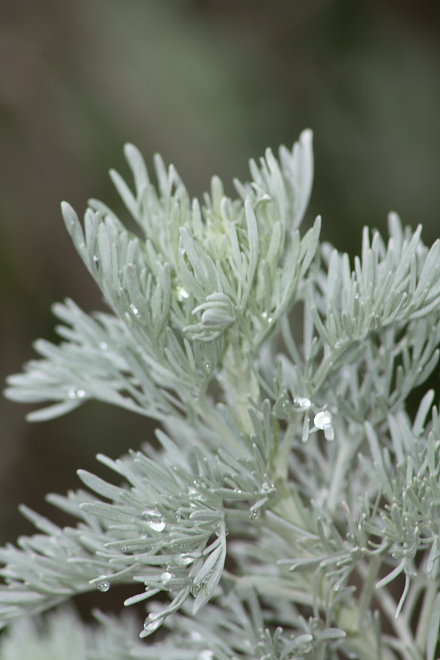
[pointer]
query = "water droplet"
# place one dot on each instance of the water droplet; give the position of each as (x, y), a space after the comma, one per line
(96, 258)
(206, 654)
(158, 525)
(303, 403)
(181, 293)
(149, 514)
(207, 367)
(103, 586)
(269, 490)
(264, 315)
(254, 514)
(135, 311)
(103, 346)
(127, 318)
(195, 636)
(323, 419)
(166, 576)
(76, 394)
(152, 623)
(338, 343)
(183, 560)
(270, 319)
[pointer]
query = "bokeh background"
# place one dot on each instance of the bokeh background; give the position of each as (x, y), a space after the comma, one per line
(208, 84)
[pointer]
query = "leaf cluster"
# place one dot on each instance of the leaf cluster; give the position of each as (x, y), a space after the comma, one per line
(287, 469)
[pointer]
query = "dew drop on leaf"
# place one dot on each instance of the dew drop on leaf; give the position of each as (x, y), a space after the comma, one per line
(157, 525)
(206, 654)
(303, 403)
(135, 310)
(152, 623)
(323, 419)
(181, 293)
(76, 394)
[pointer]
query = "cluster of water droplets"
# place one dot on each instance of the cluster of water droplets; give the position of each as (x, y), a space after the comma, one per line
(74, 393)
(266, 317)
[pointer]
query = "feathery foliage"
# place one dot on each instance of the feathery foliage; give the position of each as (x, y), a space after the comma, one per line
(290, 508)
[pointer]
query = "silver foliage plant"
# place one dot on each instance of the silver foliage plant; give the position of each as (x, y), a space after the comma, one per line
(290, 508)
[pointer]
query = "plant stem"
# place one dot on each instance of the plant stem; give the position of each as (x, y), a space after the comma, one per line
(369, 583)
(424, 616)
(389, 606)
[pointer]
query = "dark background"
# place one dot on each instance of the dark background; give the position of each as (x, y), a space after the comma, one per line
(208, 84)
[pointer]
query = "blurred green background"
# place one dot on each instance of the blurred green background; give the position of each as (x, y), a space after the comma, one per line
(208, 84)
